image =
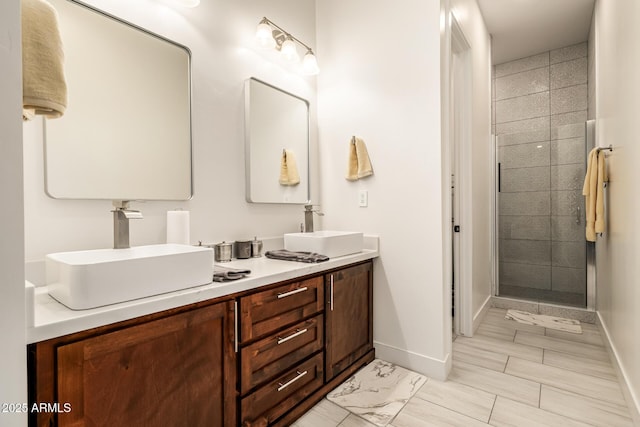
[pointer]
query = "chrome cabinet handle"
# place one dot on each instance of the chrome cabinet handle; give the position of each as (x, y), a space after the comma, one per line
(331, 292)
(297, 333)
(235, 325)
(293, 292)
(288, 383)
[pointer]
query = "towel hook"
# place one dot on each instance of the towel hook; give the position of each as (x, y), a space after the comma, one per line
(609, 148)
(353, 139)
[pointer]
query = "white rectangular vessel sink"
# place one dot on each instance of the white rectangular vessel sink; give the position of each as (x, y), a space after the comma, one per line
(330, 243)
(88, 279)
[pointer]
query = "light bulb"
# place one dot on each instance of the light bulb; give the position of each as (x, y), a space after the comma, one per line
(264, 35)
(310, 64)
(289, 51)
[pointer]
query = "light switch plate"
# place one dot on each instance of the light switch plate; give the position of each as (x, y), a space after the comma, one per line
(363, 198)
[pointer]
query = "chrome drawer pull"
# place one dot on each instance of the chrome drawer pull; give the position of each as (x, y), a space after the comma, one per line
(293, 292)
(298, 332)
(331, 292)
(235, 325)
(288, 383)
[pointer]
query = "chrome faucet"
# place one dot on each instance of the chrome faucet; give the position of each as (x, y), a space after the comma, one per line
(308, 217)
(121, 216)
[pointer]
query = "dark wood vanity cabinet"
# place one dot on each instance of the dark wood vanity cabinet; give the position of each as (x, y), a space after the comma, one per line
(301, 340)
(281, 343)
(284, 349)
(172, 369)
(348, 317)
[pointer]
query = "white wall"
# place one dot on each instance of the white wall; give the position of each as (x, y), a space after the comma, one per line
(220, 35)
(617, 108)
(13, 374)
(471, 22)
(380, 80)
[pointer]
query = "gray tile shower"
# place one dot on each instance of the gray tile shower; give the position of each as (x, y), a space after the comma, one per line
(540, 105)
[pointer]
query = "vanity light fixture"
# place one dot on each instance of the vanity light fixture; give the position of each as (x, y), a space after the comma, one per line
(270, 35)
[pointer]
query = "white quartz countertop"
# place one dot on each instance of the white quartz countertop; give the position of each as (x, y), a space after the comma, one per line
(52, 319)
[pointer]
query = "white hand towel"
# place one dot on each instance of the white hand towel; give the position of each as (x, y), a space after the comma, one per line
(43, 83)
(359, 165)
(289, 169)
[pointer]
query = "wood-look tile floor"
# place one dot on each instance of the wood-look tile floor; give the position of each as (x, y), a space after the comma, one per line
(510, 374)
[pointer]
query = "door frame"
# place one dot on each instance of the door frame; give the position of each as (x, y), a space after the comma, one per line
(460, 92)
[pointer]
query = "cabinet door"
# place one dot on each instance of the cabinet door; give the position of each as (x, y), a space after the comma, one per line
(175, 371)
(349, 317)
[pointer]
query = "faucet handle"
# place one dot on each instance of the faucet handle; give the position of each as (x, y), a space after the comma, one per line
(123, 206)
(309, 208)
(131, 214)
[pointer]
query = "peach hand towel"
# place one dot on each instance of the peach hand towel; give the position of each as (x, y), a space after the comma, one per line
(359, 165)
(43, 83)
(289, 169)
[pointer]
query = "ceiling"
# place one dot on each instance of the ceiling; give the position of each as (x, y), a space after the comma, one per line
(521, 28)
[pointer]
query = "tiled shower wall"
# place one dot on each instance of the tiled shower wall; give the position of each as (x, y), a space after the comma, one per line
(540, 106)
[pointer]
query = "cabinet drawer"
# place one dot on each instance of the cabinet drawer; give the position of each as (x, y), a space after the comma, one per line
(268, 357)
(267, 311)
(270, 402)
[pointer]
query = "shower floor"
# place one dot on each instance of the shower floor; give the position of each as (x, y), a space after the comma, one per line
(573, 299)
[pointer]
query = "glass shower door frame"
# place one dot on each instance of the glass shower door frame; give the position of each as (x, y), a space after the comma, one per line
(589, 247)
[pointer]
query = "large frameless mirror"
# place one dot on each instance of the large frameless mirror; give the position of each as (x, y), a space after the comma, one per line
(126, 133)
(276, 145)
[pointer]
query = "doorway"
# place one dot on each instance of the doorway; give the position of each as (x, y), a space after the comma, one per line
(460, 165)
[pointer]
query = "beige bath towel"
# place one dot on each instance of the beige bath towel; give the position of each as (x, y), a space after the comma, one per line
(43, 83)
(359, 165)
(289, 169)
(593, 190)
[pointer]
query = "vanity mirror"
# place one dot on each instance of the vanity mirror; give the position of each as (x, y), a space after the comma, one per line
(126, 134)
(276, 145)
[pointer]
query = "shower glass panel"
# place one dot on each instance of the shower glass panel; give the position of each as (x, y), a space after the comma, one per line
(540, 107)
(541, 220)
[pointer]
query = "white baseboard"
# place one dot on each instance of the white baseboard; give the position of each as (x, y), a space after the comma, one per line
(478, 317)
(425, 365)
(632, 399)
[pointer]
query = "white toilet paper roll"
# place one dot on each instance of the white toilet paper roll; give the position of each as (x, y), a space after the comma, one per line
(178, 227)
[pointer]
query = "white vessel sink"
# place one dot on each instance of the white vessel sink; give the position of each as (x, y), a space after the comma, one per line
(88, 279)
(330, 243)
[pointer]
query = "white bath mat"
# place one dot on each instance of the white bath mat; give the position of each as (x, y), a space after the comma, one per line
(551, 322)
(378, 391)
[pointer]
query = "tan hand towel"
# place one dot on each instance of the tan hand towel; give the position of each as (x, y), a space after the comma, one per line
(43, 82)
(602, 178)
(593, 190)
(359, 165)
(589, 193)
(288, 169)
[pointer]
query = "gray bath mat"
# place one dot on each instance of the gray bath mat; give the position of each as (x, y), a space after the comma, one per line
(551, 322)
